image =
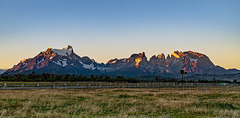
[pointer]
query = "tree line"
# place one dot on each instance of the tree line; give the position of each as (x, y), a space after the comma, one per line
(45, 77)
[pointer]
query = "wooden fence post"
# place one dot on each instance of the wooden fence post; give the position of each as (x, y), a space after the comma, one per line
(5, 85)
(197, 87)
(159, 86)
(204, 89)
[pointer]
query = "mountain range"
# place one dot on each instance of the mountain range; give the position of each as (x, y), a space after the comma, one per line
(65, 61)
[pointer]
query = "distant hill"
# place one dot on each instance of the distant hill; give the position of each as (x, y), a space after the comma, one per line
(2, 71)
(65, 61)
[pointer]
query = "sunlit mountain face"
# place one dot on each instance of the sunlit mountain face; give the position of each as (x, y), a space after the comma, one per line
(65, 61)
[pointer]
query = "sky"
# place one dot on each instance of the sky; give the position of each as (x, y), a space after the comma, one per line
(106, 29)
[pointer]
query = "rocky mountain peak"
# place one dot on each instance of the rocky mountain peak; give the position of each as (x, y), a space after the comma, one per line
(112, 61)
(194, 54)
(139, 55)
(68, 48)
(24, 60)
(140, 58)
(154, 57)
(168, 56)
(177, 54)
(161, 56)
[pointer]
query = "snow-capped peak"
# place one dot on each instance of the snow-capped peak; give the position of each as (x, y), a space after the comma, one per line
(64, 52)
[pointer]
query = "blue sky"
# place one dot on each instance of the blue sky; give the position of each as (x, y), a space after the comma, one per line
(105, 29)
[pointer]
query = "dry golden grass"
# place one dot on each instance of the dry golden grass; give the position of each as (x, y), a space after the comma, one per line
(120, 102)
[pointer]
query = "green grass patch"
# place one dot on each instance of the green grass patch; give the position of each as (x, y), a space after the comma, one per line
(217, 105)
(148, 94)
(14, 101)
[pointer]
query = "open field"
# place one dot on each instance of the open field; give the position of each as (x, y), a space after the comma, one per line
(121, 102)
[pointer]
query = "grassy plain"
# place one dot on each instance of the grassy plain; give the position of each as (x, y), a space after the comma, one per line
(121, 102)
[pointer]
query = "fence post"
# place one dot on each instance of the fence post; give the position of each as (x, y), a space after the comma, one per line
(5, 85)
(77, 85)
(65, 84)
(180, 86)
(189, 86)
(220, 89)
(38, 85)
(227, 87)
(159, 86)
(173, 86)
(183, 88)
(239, 87)
(52, 85)
(88, 85)
(167, 86)
(204, 89)
(197, 87)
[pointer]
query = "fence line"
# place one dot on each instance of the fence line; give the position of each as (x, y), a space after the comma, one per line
(161, 86)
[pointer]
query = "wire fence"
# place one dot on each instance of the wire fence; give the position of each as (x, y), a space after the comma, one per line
(160, 86)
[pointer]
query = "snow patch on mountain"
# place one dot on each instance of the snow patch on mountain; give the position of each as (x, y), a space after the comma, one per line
(39, 62)
(64, 62)
(62, 52)
(61, 62)
(88, 66)
(24, 63)
(175, 61)
(101, 68)
(58, 63)
(194, 60)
